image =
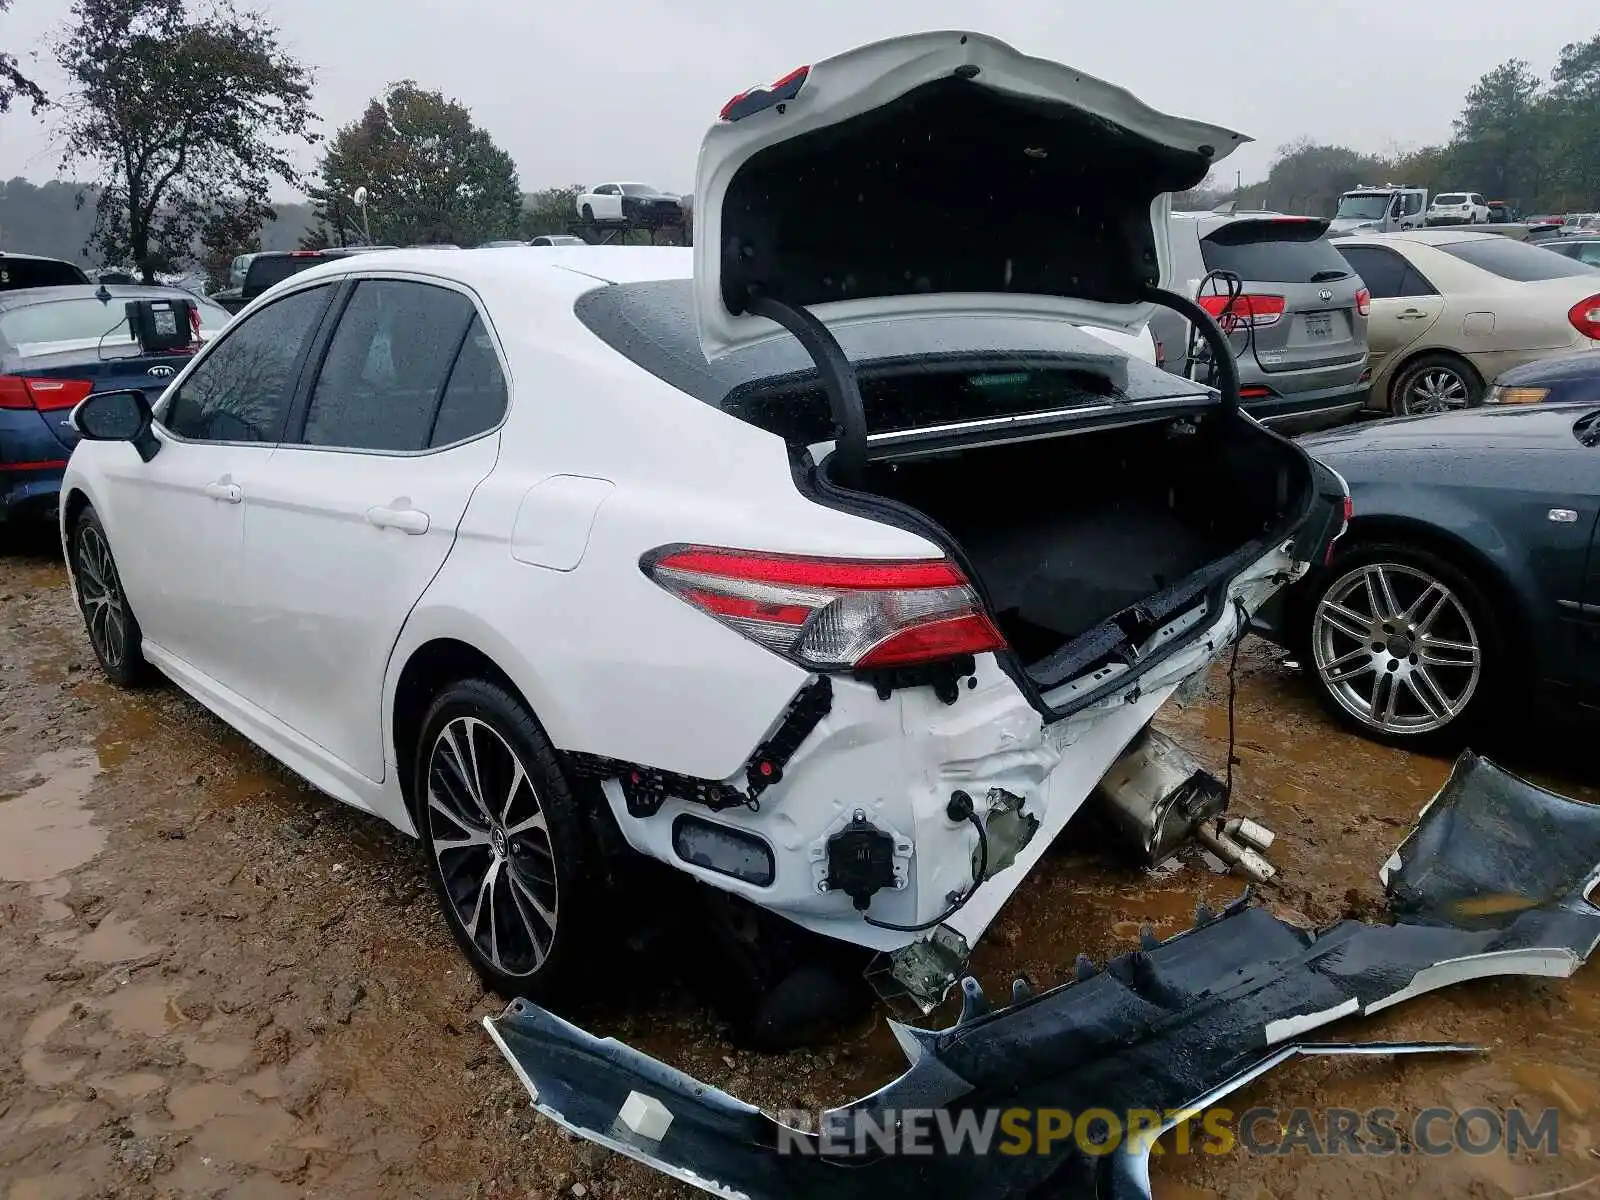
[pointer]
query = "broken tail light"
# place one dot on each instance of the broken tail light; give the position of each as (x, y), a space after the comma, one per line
(830, 614)
(1246, 308)
(43, 394)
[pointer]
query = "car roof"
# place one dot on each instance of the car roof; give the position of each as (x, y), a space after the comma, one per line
(32, 257)
(25, 297)
(1425, 237)
(494, 266)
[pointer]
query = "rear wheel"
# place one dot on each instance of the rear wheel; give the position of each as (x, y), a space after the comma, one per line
(113, 629)
(1403, 645)
(1435, 383)
(588, 214)
(513, 868)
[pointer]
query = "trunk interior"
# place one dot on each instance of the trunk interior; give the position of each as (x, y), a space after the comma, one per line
(1088, 543)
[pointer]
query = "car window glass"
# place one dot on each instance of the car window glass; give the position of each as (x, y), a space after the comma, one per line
(1381, 270)
(1515, 261)
(386, 366)
(1413, 203)
(475, 399)
(1272, 258)
(38, 272)
(240, 392)
(1413, 284)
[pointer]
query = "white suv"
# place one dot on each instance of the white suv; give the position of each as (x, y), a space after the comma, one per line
(559, 560)
(1458, 208)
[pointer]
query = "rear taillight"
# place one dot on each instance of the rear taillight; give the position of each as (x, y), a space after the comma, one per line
(1254, 392)
(42, 393)
(1364, 302)
(1585, 317)
(829, 614)
(1244, 309)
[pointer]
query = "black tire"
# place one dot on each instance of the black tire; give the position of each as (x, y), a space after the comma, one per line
(588, 214)
(1447, 374)
(1332, 657)
(108, 618)
(546, 882)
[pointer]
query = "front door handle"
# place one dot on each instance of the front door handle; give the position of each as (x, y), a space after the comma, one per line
(227, 492)
(407, 520)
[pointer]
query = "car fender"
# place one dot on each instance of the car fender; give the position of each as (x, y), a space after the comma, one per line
(1499, 556)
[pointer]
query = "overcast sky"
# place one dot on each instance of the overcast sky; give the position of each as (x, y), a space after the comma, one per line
(623, 89)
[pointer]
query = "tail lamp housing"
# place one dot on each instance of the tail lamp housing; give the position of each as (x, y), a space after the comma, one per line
(832, 614)
(1585, 317)
(1247, 308)
(1364, 303)
(44, 393)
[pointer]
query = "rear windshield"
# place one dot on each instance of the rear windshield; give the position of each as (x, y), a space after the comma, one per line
(1516, 261)
(37, 272)
(1450, 198)
(86, 324)
(275, 268)
(1272, 259)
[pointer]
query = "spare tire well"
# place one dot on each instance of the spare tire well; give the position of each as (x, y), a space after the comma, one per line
(430, 668)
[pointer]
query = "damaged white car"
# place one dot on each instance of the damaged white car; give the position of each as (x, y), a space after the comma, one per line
(836, 577)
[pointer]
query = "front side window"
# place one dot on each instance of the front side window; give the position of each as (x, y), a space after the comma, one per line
(387, 366)
(242, 390)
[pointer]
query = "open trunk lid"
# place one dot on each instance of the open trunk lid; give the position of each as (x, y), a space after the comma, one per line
(939, 174)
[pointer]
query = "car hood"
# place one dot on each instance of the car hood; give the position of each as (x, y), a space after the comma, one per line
(1527, 427)
(939, 173)
(1570, 368)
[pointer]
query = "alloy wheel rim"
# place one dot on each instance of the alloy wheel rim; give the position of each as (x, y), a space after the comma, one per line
(1437, 389)
(100, 594)
(491, 843)
(1396, 648)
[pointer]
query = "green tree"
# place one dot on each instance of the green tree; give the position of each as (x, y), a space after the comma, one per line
(13, 82)
(181, 114)
(1498, 146)
(1573, 106)
(549, 210)
(431, 175)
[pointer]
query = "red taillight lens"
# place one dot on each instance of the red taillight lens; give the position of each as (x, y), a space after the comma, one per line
(830, 614)
(1244, 309)
(1585, 317)
(1364, 302)
(44, 394)
(1254, 392)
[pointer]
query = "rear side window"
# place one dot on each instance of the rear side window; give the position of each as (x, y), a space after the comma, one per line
(1516, 261)
(1385, 273)
(387, 367)
(37, 272)
(475, 398)
(1269, 259)
(241, 391)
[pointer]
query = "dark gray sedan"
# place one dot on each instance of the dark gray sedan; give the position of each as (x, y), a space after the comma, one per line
(1468, 582)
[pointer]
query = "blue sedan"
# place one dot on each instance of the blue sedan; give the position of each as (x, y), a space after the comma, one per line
(57, 345)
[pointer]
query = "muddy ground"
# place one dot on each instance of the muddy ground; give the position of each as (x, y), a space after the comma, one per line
(216, 982)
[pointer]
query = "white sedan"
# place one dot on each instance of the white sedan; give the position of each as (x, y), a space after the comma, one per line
(1452, 309)
(558, 561)
(639, 203)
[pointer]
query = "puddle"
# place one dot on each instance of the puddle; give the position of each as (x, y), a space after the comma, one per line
(42, 1069)
(128, 1087)
(47, 830)
(149, 1010)
(57, 1114)
(217, 1056)
(50, 893)
(113, 941)
(226, 1124)
(132, 722)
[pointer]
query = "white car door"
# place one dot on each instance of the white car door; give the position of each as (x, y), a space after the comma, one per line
(608, 202)
(358, 508)
(177, 522)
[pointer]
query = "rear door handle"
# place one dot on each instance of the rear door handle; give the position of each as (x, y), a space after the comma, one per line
(1412, 314)
(228, 492)
(407, 520)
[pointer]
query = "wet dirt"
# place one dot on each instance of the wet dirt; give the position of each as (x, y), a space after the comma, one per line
(214, 981)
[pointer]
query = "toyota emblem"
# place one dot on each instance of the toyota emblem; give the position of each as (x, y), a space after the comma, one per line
(1324, 295)
(161, 371)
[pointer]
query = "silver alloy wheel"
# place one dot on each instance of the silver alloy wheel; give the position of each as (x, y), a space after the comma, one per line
(492, 845)
(105, 612)
(1436, 389)
(1396, 648)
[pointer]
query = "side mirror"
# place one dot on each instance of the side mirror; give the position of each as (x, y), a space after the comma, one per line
(117, 417)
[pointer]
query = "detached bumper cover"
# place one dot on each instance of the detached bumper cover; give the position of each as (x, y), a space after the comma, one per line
(1492, 881)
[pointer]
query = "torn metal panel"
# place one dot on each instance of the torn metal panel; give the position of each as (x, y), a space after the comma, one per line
(1492, 881)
